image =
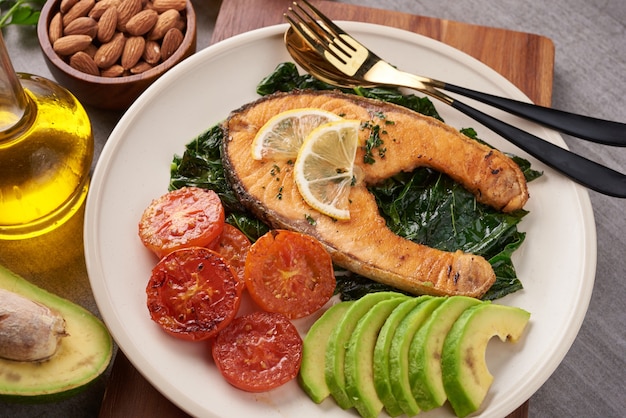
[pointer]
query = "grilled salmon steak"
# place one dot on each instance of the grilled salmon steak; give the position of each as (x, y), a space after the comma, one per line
(363, 244)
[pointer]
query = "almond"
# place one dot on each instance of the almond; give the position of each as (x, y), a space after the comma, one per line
(66, 5)
(70, 44)
(101, 6)
(110, 52)
(84, 63)
(163, 5)
(152, 52)
(115, 70)
(107, 24)
(82, 26)
(126, 10)
(171, 41)
(133, 50)
(80, 9)
(142, 22)
(141, 67)
(165, 22)
(55, 31)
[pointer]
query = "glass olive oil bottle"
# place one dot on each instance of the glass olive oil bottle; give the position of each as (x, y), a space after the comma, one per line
(46, 150)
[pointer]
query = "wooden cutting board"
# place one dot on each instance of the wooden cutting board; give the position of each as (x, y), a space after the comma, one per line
(527, 60)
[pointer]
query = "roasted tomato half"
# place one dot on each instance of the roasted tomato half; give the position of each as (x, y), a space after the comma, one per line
(258, 352)
(193, 293)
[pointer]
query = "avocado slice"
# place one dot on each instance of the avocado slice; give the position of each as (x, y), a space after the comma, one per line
(399, 354)
(466, 378)
(359, 360)
(382, 381)
(312, 376)
(425, 352)
(81, 357)
(337, 343)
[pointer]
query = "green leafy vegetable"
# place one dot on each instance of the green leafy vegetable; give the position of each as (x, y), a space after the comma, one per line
(424, 206)
(20, 12)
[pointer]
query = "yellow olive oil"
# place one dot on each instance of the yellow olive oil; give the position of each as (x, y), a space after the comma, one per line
(45, 161)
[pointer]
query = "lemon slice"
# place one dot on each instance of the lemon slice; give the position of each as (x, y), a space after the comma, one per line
(283, 134)
(324, 167)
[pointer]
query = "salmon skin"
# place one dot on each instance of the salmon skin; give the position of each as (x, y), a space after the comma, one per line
(363, 244)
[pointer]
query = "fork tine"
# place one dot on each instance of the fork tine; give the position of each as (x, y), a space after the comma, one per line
(331, 27)
(317, 36)
(330, 41)
(331, 30)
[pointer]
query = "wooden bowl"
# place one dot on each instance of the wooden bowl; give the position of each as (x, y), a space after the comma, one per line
(116, 93)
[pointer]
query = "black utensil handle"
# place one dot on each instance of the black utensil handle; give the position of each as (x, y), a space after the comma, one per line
(586, 172)
(595, 130)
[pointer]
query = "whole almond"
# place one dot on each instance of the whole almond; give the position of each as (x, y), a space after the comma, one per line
(82, 26)
(152, 52)
(165, 22)
(133, 50)
(107, 24)
(70, 44)
(171, 41)
(80, 9)
(55, 31)
(142, 22)
(100, 7)
(84, 63)
(110, 52)
(66, 5)
(126, 10)
(163, 5)
(115, 70)
(141, 67)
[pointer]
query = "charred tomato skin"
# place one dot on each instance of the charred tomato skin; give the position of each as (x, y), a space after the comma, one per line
(193, 294)
(258, 352)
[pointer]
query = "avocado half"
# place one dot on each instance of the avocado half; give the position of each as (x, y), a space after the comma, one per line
(81, 357)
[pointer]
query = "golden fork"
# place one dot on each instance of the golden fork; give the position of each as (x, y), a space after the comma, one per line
(337, 58)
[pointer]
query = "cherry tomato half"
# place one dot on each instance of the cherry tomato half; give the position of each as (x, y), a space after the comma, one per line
(290, 273)
(187, 217)
(233, 245)
(193, 293)
(258, 352)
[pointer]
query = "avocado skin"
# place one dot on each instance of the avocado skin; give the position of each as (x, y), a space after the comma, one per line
(399, 354)
(336, 347)
(88, 348)
(312, 376)
(466, 377)
(360, 357)
(382, 380)
(425, 352)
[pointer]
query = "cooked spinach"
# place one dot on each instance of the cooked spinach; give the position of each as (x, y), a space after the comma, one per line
(424, 206)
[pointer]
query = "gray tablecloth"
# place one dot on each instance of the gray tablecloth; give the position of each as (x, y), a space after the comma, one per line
(590, 78)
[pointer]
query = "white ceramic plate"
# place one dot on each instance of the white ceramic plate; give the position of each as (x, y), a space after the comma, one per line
(556, 263)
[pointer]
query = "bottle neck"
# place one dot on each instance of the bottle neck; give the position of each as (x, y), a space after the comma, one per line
(13, 100)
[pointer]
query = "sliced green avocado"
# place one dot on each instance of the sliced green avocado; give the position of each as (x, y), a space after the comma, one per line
(382, 381)
(466, 378)
(81, 357)
(425, 352)
(337, 343)
(312, 377)
(360, 357)
(399, 354)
